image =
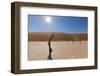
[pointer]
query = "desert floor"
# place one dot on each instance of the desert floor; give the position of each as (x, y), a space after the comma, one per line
(60, 50)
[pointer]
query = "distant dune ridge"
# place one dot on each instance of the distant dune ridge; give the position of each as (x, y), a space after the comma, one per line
(57, 36)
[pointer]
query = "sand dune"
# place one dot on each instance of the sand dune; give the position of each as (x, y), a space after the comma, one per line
(58, 36)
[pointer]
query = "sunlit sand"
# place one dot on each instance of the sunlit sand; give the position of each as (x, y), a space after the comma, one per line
(39, 50)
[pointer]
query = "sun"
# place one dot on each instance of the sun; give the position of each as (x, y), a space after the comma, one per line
(48, 19)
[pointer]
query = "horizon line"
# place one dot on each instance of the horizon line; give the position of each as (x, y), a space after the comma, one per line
(62, 32)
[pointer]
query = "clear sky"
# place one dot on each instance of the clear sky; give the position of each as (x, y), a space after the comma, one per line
(67, 24)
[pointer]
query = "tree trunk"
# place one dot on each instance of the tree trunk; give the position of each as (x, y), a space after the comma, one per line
(50, 49)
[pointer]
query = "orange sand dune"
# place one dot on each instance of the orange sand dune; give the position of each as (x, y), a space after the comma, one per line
(58, 36)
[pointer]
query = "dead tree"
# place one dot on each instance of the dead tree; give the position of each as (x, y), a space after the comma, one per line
(50, 49)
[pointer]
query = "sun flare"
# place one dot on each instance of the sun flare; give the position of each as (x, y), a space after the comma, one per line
(48, 19)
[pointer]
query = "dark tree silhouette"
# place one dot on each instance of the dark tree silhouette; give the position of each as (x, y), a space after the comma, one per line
(50, 49)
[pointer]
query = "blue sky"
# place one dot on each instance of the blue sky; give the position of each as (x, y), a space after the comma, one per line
(67, 24)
